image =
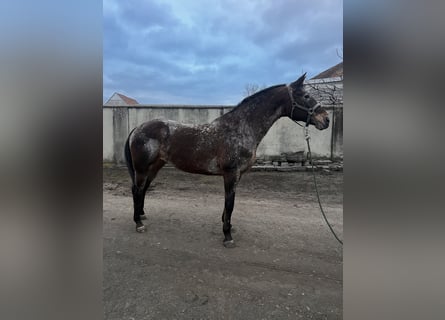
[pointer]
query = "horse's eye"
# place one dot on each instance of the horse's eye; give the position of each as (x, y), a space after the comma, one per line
(306, 96)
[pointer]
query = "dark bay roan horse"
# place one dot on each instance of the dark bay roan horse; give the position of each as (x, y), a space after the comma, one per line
(224, 147)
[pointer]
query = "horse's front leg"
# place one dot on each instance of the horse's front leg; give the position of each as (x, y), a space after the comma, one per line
(230, 181)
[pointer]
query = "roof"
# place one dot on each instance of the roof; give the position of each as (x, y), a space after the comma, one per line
(119, 98)
(335, 71)
(127, 100)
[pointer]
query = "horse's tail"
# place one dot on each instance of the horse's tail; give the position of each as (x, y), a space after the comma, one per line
(128, 158)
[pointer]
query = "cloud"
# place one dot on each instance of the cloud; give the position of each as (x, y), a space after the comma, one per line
(202, 52)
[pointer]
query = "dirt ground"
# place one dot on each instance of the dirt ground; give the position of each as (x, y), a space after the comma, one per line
(286, 265)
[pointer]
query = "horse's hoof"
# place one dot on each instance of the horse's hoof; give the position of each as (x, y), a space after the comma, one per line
(229, 244)
(141, 229)
(143, 217)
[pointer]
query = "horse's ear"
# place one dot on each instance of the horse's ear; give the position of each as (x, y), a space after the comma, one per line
(299, 83)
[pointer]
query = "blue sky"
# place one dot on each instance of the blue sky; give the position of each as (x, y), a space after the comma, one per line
(205, 52)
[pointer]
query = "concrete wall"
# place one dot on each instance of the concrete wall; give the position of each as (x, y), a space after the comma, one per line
(337, 134)
(107, 141)
(283, 137)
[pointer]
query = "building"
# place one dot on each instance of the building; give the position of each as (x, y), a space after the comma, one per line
(327, 86)
(118, 99)
(333, 72)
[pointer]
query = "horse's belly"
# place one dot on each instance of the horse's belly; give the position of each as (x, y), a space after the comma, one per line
(196, 163)
(189, 156)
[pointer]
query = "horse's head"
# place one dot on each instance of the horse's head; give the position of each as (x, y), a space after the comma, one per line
(305, 107)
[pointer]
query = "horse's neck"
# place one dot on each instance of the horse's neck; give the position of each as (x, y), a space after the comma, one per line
(262, 122)
(259, 117)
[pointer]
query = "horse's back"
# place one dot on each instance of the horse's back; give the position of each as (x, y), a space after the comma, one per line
(204, 149)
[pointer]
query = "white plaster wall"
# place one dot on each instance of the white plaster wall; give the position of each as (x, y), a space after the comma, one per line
(198, 115)
(190, 115)
(285, 136)
(138, 116)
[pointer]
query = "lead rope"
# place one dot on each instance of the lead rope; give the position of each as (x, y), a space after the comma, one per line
(307, 137)
(310, 111)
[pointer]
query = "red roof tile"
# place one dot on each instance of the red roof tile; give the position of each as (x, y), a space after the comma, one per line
(127, 100)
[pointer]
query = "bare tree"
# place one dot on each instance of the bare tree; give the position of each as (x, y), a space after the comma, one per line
(252, 88)
(339, 53)
(327, 92)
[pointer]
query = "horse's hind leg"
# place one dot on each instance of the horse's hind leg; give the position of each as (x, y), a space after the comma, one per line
(230, 181)
(142, 183)
(138, 191)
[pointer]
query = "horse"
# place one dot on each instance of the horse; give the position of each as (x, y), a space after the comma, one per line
(225, 147)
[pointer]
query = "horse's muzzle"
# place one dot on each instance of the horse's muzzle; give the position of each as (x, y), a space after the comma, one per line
(321, 125)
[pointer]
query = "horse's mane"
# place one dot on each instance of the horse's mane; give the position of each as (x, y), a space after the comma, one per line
(257, 95)
(251, 102)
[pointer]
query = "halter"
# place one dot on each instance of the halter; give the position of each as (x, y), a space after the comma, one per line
(309, 111)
